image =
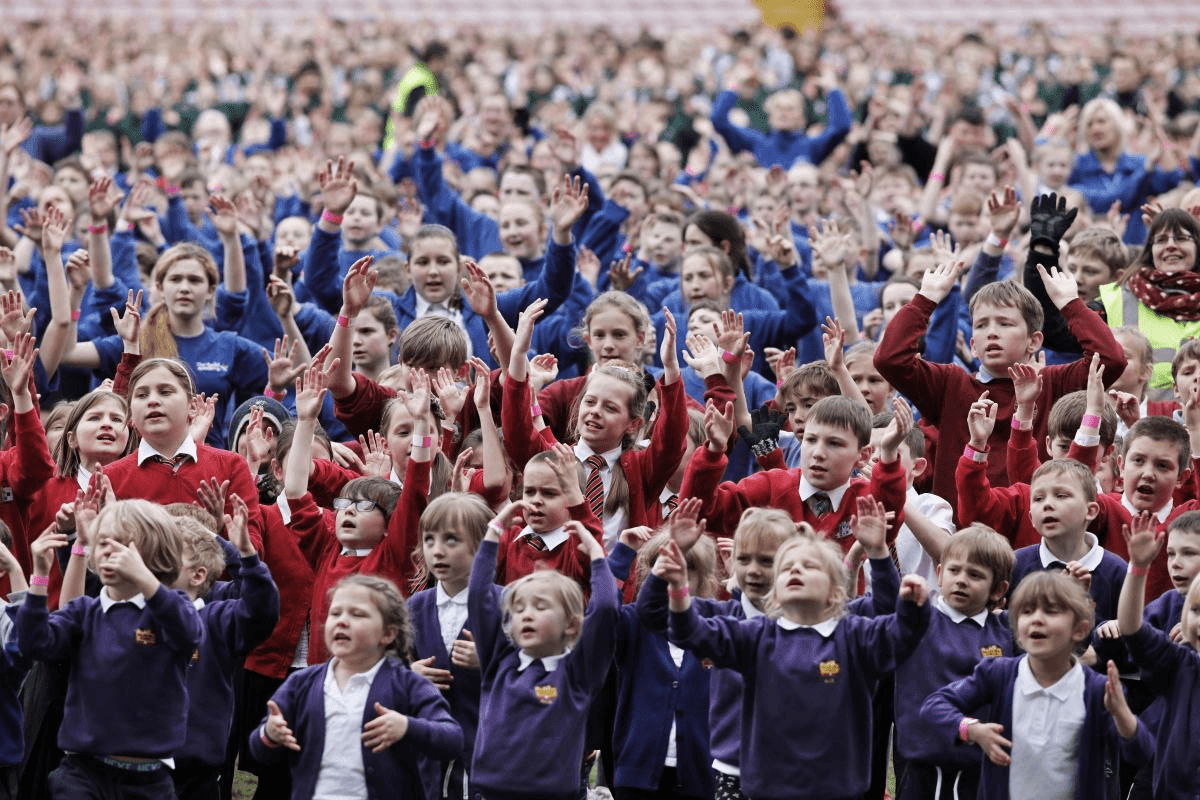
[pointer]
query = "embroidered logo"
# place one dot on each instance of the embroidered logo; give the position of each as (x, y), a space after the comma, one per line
(6, 494)
(843, 530)
(707, 663)
(991, 651)
(211, 366)
(145, 637)
(830, 670)
(546, 694)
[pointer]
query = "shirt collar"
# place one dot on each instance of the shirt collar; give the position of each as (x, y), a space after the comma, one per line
(83, 477)
(188, 448)
(983, 376)
(807, 490)
(1161, 515)
(552, 539)
(368, 676)
(358, 552)
(443, 598)
(1069, 685)
(423, 305)
(549, 663)
(582, 452)
(285, 510)
(107, 601)
(666, 494)
(824, 627)
(749, 609)
(198, 603)
(957, 617)
(396, 479)
(1090, 560)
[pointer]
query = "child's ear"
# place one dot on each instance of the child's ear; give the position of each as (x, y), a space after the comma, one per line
(864, 455)
(1083, 628)
(998, 593)
(571, 630)
(1035, 342)
(390, 632)
(1093, 510)
(199, 576)
(276, 469)
(918, 467)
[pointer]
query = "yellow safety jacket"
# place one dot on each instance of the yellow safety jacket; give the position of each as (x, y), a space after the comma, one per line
(1164, 333)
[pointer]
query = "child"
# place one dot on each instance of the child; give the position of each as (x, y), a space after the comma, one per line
(232, 628)
(137, 633)
(1096, 257)
(972, 578)
(837, 439)
(809, 651)
(540, 676)
(374, 334)
(13, 667)
(1169, 669)
(358, 725)
(1064, 723)
(1128, 392)
(452, 526)
(1006, 325)
(796, 396)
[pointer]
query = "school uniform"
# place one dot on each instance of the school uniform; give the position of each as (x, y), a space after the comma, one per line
(24, 469)
(232, 628)
(949, 651)
(533, 711)
(1091, 742)
(1108, 572)
(829, 669)
(523, 550)
(328, 721)
(391, 558)
(783, 148)
(1130, 183)
(174, 478)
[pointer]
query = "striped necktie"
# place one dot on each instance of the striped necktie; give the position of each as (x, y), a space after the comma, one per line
(671, 504)
(820, 504)
(593, 492)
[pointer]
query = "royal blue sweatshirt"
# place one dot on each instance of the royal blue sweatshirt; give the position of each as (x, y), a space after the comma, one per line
(783, 148)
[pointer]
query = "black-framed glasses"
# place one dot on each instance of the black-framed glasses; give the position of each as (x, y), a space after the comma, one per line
(361, 506)
(1167, 238)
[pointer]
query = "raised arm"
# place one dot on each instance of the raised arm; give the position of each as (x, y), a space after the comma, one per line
(356, 290)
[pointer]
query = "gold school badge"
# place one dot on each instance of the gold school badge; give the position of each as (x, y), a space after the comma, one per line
(991, 651)
(546, 694)
(829, 670)
(145, 637)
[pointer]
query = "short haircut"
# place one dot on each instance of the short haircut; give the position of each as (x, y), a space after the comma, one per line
(1051, 590)
(1188, 351)
(902, 171)
(831, 558)
(195, 513)
(148, 526)
(984, 547)
(564, 590)
(1163, 429)
(705, 304)
(1066, 415)
(392, 608)
(815, 376)
(1187, 522)
(1069, 468)
(539, 179)
(1103, 244)
(1140, 342)
(200, 546)
(1009, 294)
(967, 203)
(914, 440)
(842, 412)
(671, 218)
(380, 491)
(763, 526)
(433, 342)
(718, 261)
(977, 158)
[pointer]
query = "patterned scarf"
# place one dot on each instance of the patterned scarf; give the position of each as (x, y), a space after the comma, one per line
(1172, 294)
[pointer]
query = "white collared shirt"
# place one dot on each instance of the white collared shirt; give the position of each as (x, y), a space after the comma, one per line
(285, 510)
(663, 496)
(749, 609)
(552, 539)
(957, 617)
(358, 552)
(107, 601)
(1089, 560)
(341, 776)
(452, 615)
(549, 663)
(825, 627)
(835, 495)
(1160, 515)
(83, 477)
(187, 448)
(672, 758)
(1047, 722)
(613, 523)
(396, 479)
(425, 308)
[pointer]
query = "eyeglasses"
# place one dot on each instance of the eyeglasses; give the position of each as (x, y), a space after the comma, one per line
(361, 506)
(1178, 238)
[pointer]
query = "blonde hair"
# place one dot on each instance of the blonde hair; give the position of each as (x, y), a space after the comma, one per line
(984, 547)
(1051, 590)
(832, 562)
(760, 526)
(200, 545)
(66, 458)
(1185, 618)
(156, 337)
(151, 529)
(464, 513)
(1102, 105)
(563, 590)
(701, 561)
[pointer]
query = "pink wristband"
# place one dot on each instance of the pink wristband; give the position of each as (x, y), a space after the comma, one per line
(1090, 421)
(678, 594)
(343, 321)
(75, 315)
(937, 176)
(1140, 572)
(964, 728)
(535, 410)
(728, 357)
(274, 395)
(101, 228)
(79, 550)
(1019, 425)
(425, 144)
(39, 580)
(974, 455)
(330, 217)
(423, 441)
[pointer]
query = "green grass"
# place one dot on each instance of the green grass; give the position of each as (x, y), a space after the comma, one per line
(244, 785)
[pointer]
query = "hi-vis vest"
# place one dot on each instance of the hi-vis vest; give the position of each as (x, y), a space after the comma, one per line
(1164, 333)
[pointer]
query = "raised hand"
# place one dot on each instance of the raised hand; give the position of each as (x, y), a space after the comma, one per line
(833, 336)
(310, 393)
(869, 524)
(1049, 219)
(277, 730)
(587, 265)
(914, 589)
(281, 297)
(543, 369)
(377, 459)
(258, 445)
(16, 365)
(129, 323)
(897, 430)
(525, 322)
(936, 283)
(981, 421)
(236, 527)
(668, 351)
(1060, 284)
(1003, 211)
(1027, 385)
(14, 320)
(943, 247)
(14, 135)
(103, 196)
(1129, 408)
(567, 204)
(357, 286)
(338, 186)
(702, 355)
(718, 426)
(671, 565)
(450, 393)
(1117, 705)
(566, 468)
(620, 276)
(1142, 540)
(43, 548)
(478, 289)
(283, 364)
(417, 399)
(223, 215)
(684, 524)
(54, 230)
(203, 411)
(210, 495)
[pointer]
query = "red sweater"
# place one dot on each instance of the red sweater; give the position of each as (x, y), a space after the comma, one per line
(158, 482)
(724, 502)
(362, 410)
(294, 577)
(45, 507)
(24, 470)
(516, 559)
(392, 558)
(943, 393)
(646, 471)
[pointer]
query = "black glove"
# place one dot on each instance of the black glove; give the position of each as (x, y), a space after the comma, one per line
(1049, 219)
(764, 436)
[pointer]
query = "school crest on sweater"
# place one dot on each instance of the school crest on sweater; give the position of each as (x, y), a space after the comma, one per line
(546, 694)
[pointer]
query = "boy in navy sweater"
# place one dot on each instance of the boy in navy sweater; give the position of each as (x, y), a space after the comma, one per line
(973, 577)
(129, 649)
(13, 667)
(1062, 504)
(232, 628)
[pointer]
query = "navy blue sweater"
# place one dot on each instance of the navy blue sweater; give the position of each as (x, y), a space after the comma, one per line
(127, 692)
(1107, 578)
(232, 628)
(1173, 671)
(532, 722)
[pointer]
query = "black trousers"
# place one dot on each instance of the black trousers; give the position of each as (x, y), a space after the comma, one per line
(196, 781)
(927, 782)
(274, 779)
(668, 789)
(84, 778)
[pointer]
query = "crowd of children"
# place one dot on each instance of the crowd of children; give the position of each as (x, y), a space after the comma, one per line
(504, 417)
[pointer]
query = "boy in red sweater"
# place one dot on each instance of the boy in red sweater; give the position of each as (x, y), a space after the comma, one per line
(1006, 330)
(823, 491)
